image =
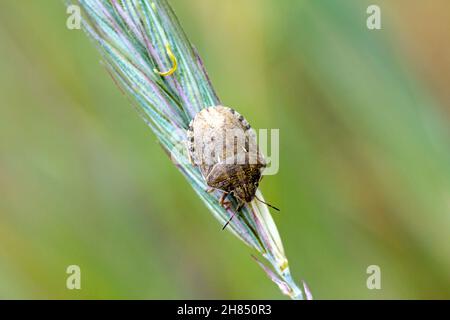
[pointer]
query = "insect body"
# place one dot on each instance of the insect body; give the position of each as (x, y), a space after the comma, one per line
(224, 146)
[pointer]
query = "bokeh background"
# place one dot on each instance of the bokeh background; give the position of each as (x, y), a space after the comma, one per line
(365, 155)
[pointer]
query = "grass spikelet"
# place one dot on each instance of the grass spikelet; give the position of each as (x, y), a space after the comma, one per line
(150, 58)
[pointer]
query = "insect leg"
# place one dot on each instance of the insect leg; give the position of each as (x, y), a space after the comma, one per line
(210, 189)
(191, 161)
(223, 197)
(240, 206)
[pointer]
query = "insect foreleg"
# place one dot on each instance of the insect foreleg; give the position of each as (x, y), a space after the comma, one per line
(223, 197)
(189, 156)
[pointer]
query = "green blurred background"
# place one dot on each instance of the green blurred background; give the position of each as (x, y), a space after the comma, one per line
(365, 155)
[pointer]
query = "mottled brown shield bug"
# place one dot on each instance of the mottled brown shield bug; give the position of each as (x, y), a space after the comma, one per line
(224, 146)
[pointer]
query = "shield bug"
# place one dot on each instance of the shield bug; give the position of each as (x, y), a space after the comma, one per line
(224, 146)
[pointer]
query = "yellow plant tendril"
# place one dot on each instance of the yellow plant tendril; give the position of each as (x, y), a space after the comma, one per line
(174, 63)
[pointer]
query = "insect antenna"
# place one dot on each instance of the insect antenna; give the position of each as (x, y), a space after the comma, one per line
(267, 204)
(229, 220)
